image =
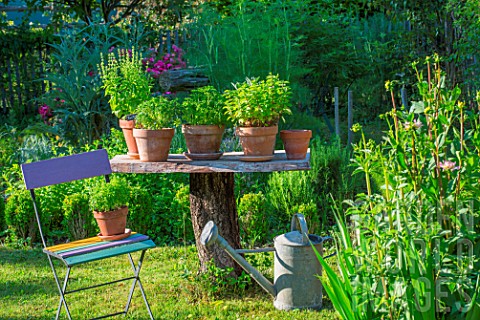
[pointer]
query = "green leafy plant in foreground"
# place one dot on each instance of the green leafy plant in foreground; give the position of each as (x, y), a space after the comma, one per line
(415, 249)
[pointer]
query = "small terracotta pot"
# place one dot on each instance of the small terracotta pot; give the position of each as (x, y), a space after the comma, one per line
(257, 141)
(127, 129)
(112, 222)
(203, 138)
(153, 145)
(296, 143)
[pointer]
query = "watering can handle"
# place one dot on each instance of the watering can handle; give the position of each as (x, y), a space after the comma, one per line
(300, 224)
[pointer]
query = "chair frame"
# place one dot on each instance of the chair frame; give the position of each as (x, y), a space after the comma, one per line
(76, 167)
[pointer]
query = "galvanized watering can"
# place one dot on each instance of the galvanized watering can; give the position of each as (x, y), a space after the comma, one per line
(296, 285)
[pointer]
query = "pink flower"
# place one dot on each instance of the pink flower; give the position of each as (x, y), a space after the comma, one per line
(45, 111)
(111, 49)
(448, 165)
(417, 123)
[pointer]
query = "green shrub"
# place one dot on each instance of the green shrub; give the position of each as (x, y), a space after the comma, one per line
(140, 209)
(308, 192)
(253, 218)
(3, 224)
(182, 207)
(50, 199)
(78, 218)
(20, 215)
(287, 192)
(331, 173)
(172, 219)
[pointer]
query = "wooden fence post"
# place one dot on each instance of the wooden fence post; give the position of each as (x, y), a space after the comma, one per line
(403, 92)
(350, 117)
(337, 112)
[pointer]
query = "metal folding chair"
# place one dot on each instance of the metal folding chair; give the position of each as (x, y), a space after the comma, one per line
(86, 165)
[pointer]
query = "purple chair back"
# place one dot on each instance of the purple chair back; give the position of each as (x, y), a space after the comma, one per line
(65, 169)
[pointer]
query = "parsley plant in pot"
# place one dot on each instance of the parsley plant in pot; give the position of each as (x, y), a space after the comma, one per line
(255, 106)
(204, 118)
(127, 85)
(109, 204)
(154, 128)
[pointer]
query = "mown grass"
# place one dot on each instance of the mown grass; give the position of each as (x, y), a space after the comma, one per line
(28, 290)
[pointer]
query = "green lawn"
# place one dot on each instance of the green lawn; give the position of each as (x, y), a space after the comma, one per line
(28, 291)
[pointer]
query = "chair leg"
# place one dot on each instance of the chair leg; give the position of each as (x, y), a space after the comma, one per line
(136, 271)
(61, 289)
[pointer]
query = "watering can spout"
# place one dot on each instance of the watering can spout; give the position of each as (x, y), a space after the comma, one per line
(210, 236)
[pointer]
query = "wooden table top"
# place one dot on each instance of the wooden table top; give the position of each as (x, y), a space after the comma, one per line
(229, 162)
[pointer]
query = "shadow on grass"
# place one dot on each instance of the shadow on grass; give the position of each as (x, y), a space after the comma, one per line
(27, 257)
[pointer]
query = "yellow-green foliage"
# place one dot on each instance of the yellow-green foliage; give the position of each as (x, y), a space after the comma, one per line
(20, 215)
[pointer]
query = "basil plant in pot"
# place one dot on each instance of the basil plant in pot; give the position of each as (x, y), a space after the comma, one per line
(127, 85)
(204, 123)
(154, 128)
(109, 204)
(255, 106)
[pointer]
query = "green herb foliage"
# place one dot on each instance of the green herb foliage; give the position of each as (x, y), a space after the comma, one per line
(204, 106)
(414, 250)
(258, 102)
(109, 196)
(157, 112)
(125, 81)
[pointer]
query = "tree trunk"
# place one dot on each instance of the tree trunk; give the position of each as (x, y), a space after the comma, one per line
(212, 198)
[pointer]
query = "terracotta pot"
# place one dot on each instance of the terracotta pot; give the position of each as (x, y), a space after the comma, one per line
(127, 129)
(153, 145)
(257, 141)
(203, 139)
(112, 222)
(296, 143)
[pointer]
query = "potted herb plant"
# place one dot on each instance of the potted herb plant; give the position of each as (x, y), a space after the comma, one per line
(202, 112)
(109, 204)
(154, 128)
(127, 85)
(255, 106)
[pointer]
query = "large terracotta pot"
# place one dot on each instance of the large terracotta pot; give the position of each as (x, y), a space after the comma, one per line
(258, 143)
(153, 145)
(203, 141)
(112, 222)
(127, 129)
(296, 143)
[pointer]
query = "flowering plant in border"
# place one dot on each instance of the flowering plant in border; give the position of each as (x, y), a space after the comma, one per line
(416, 243)
(156, 66)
